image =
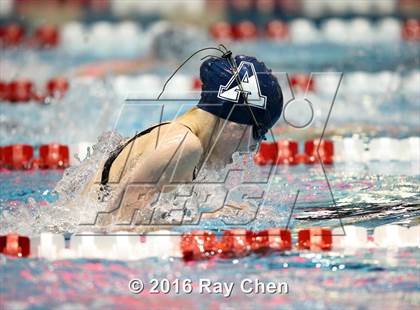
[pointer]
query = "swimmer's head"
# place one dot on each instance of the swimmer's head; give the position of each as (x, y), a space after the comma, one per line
(221, 95)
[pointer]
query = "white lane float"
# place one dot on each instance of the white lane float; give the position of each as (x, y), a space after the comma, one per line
(384, 149)
(115, 246)
(358, 82)
(326, 83)
(303, 31)
(179, 87)
(386, 83)
(149, 85)
(48, 245)
(410, 149)
(350, 237)
(411, 83)
(145, 86)
(84, 246)
(350, 149)
(396, 236)
(335, 30)
(101, 38)
(74, 38)
(127, 40)
(388, 30)
(361, 31)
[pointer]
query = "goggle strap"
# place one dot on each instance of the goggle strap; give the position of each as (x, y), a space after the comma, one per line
(229, 58)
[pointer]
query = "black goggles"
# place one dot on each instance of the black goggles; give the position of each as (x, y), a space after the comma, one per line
(258, 133)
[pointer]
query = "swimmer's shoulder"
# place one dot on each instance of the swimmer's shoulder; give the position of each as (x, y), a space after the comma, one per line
(189, 144)
(193, 146)
(182, 133)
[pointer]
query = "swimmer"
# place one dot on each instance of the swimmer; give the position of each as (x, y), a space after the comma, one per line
(169, 43)
(232, 106)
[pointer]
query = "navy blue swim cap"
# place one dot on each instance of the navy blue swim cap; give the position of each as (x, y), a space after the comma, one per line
(220, 94)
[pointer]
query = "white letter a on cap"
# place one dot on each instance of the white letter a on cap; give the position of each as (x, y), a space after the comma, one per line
(250, 85)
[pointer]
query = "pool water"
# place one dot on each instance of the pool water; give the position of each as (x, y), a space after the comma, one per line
(368, 278)
(367, 194)
(372, 279)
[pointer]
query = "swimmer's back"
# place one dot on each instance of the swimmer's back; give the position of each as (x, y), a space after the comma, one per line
(158, 152)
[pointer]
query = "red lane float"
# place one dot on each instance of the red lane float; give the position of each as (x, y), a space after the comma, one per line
(1, 157)
(315, 238)
(286, 152)
(326, 152)
(4, 91)
(302, 82)
(198, 245)
(197, 84)
(221, 31)
(411, 30)
(57, 87)
(17, 156)
(53, 156)
(245, 30)
(279, 152)
(272, 240)
(267, 154)
(235, 243)
(11, 35)
(20, 91)
(47, 36)
(277, 30)
(15, 245)
(23, 90)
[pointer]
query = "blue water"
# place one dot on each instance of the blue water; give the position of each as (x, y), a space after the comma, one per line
(367, 195)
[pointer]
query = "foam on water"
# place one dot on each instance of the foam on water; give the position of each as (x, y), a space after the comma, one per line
(70, 208)
(75, 178)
